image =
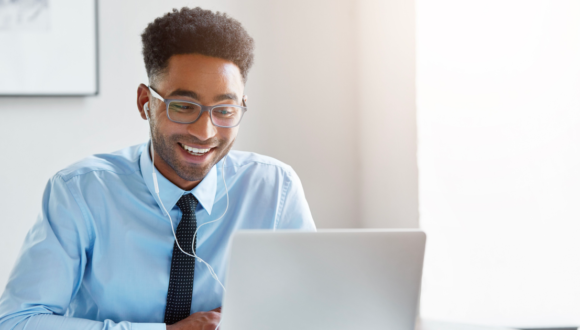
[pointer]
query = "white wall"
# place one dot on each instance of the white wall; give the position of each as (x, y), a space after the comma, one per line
(386, 113)
(499, 121)
(302, 91)
(304, 111)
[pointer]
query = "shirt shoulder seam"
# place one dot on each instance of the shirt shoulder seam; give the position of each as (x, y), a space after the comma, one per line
(284, 167)
(70, 176)
(83, 211)
(282, 202)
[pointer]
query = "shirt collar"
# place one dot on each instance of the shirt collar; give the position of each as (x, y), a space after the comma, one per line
(204, 192)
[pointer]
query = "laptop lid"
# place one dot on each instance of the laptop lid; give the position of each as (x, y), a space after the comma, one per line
(330, 279)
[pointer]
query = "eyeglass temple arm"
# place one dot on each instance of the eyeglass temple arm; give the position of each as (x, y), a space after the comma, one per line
(155, 94)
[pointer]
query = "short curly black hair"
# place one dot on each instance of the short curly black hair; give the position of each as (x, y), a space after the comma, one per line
(196, 31)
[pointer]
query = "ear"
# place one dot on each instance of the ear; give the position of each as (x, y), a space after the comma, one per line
(245, 100)
(142, 98)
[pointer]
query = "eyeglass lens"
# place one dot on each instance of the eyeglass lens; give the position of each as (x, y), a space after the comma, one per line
(185, 112)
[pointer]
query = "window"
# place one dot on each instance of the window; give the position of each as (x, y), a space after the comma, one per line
(498, 85)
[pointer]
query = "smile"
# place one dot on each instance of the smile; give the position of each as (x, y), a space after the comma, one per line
(194, 151)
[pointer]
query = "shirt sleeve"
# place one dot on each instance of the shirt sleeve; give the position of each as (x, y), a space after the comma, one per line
(47, 321)
(294, 212)
(50, 268)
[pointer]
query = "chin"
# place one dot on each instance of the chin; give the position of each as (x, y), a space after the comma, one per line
(189, 174)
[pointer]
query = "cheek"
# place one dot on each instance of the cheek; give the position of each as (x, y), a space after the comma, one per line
(164, 129)
(159, 115)
(156, 125)
(228, 135)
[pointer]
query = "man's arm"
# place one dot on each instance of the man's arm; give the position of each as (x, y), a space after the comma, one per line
(48, 321)
(199, 321)
(50, 268)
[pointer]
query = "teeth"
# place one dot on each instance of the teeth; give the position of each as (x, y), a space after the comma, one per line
(195, 151)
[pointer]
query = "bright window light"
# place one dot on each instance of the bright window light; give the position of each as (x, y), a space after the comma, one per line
(498, 86)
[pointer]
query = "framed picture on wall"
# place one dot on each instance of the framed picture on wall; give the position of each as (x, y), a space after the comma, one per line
(48, 47)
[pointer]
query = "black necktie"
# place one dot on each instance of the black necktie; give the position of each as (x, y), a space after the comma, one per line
(182, 266)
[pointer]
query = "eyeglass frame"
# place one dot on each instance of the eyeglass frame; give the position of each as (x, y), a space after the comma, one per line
(204, 108)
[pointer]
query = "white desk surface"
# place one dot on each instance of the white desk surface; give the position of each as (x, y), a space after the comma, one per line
(440, 325)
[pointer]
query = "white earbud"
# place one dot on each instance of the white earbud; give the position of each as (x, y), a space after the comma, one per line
(146, 106)
(156, 185)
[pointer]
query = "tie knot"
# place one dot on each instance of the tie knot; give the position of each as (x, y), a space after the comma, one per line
(187, 203)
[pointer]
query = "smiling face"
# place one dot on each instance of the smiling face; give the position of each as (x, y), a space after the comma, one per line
(185, 153)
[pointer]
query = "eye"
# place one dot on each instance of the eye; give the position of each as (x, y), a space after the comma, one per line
(183, 107)
(224, 111)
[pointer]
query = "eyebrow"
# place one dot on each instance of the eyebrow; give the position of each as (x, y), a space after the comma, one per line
(186, 93)
(227, 96)
(195, 96)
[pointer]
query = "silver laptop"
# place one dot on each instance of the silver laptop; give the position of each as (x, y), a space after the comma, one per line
(330, 279)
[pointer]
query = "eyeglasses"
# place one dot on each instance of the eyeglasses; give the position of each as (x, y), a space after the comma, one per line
(184, 112)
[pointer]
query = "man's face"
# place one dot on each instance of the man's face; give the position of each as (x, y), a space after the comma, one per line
(200, 79)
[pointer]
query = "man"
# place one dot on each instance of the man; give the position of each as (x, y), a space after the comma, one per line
(103, 254)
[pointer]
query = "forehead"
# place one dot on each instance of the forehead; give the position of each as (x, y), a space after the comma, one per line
(202, 74)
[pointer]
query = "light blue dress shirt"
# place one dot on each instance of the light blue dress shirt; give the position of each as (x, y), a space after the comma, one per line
(99, 255)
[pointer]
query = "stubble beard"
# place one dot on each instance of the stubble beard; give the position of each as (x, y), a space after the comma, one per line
(166, 148)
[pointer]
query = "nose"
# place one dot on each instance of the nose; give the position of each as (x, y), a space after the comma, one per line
(203, 128)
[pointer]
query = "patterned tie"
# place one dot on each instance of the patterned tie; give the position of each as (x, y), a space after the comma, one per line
(182, 266)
